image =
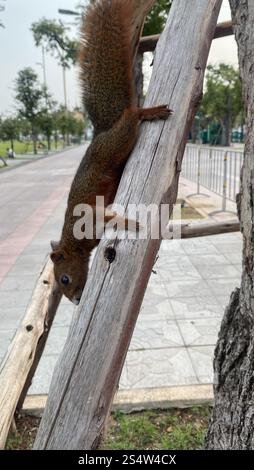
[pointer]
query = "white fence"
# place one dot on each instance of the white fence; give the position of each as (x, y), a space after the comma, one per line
(216, 168)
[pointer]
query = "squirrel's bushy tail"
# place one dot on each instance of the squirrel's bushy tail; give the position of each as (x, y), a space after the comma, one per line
(106, 61)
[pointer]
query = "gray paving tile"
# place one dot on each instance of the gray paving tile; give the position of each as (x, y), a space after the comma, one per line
(230, 247)
(200, 331)
(56, 340)
(235, 258)
(225, 238)
(24, 270)
(223, 287)
(191, 288)
(13, 283)
(155, 293)
(43, 376)
(178, 267)
(199, 246)
(5, 340)
(202, 360)
(168, 247)
(223, 300)
(155, 334)
(153, 311)
(64, 314)
(31, 259)
(196, 307)
(208, 260)
(10, 317)
(218, 271)
(34, 249)
(16, 299)
(158, 368)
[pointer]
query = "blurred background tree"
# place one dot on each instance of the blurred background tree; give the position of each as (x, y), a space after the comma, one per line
(156, 19)
(30, 100)
(9, 130)
(222, 101)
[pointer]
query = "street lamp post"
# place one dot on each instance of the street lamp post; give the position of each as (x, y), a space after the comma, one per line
(65, 88)
(43, 65)
(68, 12)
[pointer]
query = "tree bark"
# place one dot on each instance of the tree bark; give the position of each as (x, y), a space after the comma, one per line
(231, 425)
(139, 79)
(49, 142)
(34, 138)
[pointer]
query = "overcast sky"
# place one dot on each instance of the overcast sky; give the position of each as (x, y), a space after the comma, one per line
(17, 49)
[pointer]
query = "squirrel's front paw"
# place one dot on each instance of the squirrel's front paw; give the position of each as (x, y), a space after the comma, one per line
(163, 112)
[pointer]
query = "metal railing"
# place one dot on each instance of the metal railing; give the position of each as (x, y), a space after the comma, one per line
(215, 168)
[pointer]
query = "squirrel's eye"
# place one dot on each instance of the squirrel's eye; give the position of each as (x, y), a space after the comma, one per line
(65, 280)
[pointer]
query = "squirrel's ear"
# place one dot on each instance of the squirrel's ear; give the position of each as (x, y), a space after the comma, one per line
(57, 256)
(54, 245)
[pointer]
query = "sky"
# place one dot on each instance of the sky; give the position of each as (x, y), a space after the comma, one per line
(17, 49)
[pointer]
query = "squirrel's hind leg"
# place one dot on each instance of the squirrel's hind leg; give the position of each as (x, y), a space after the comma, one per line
(113, 219)
(157, 112)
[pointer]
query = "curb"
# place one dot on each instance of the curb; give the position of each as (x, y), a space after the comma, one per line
(128, 401)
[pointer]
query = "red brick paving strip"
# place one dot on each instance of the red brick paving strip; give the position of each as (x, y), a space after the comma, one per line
(15, 244)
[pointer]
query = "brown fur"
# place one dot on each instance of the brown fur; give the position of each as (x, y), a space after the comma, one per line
(106, 77)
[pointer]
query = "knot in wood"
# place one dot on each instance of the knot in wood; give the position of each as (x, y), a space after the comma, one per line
(29, 328)
(110, 254)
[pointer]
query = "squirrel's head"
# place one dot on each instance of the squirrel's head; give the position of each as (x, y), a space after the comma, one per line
(70, 271)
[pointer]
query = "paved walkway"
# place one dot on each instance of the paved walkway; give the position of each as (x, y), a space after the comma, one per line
(177, 328)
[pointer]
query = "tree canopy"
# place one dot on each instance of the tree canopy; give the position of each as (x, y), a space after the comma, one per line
(30, 98)
(53, 36)
(156, 19)
(9, 129)
(222, 101)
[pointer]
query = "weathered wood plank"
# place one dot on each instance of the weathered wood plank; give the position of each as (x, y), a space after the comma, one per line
(87, 374)
(26, 347)
(140, 10)
(148, 43)
(204, 228)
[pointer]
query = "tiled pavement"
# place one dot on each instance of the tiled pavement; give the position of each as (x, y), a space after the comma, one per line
(177, 328)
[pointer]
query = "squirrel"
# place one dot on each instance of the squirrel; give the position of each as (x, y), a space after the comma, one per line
(106, 64)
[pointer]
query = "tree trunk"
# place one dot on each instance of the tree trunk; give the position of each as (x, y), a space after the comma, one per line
(228, 123)
(139, 79)
(56, 140)
(231, 426)
(34, 142)
(226, 131)
(49, 142)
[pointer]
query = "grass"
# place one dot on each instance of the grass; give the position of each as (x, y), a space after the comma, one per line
(187, 212)
(22, 148)
(158, 430)
(23, 439)
(171, 429)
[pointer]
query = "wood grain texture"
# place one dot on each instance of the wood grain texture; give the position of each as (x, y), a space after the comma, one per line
(140, 9)
(204, 228)
(148, 43)
(87, 374)
(23, 351)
